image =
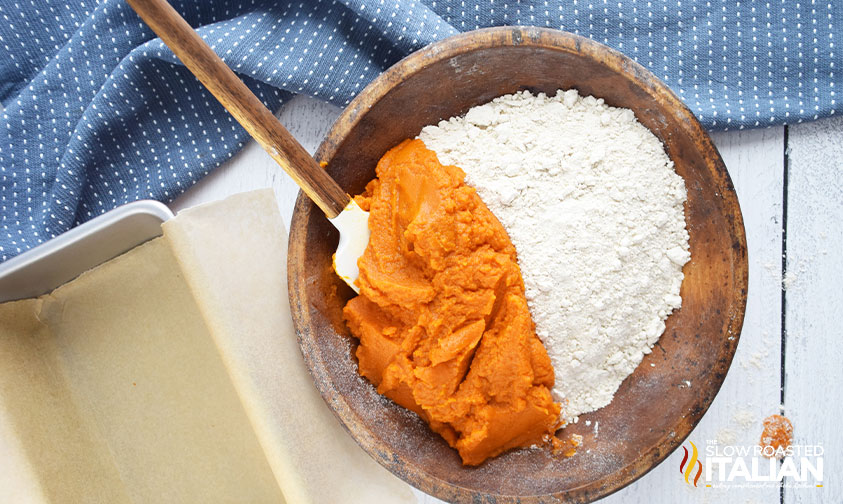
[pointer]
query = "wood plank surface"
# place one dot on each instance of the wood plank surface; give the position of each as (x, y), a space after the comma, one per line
(755, 160)
(813, 301)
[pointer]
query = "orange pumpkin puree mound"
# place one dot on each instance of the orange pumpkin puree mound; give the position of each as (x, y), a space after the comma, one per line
(441, 317)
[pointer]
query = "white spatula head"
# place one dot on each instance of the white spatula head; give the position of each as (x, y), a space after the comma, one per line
(353, 225)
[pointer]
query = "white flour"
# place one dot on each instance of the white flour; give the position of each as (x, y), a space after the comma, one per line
(595, 211)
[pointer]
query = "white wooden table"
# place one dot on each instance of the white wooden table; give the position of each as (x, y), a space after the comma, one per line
(790, 186)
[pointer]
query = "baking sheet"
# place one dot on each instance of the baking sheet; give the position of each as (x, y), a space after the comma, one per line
(172, 374)
(54, 262)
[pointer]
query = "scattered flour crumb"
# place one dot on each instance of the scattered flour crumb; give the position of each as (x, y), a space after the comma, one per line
(756, 359)
(596, 213)
(789, 279)
(745, 419)
(726, 437)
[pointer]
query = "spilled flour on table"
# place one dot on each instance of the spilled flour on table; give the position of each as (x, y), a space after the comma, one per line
(596, 214)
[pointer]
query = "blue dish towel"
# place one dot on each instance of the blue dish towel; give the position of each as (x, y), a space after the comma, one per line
(98, 112)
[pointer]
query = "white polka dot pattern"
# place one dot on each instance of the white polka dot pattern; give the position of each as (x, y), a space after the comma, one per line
(98, 112)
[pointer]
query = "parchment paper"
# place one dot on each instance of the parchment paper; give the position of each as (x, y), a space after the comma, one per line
(172, 374)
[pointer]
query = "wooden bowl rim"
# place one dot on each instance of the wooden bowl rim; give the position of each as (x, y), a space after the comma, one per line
(556, 40)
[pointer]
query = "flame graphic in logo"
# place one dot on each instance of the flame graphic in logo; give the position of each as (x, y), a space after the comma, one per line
(687, 470)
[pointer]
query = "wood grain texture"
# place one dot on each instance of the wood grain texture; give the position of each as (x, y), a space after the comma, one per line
(814, 305)
(233, 94)
(655, 408)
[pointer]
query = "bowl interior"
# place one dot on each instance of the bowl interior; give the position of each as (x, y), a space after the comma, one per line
(653, 410)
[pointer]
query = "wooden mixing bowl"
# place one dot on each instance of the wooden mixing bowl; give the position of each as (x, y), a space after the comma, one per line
(653, 411)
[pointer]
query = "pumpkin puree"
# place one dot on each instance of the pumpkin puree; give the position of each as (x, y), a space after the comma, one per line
(442, 319)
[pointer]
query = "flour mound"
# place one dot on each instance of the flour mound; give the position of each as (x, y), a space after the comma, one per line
(596, 214)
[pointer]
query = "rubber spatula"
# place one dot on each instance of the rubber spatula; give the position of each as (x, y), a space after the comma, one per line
(229, 90)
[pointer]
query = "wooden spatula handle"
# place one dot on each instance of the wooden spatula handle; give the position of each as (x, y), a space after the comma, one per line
(215, 75)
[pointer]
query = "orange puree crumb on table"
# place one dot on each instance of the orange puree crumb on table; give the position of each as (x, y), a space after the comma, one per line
(442, 319)
(776, 437)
